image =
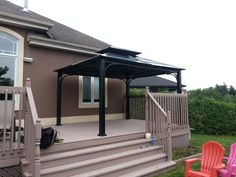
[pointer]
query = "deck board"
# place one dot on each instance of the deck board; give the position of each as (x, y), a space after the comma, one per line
(89, 130)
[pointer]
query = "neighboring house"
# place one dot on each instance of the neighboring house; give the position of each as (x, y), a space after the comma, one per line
(96, 80)
(154, 83)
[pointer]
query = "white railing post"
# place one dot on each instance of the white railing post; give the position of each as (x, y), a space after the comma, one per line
(33, 130)
(28, 82)
(169, 141)
(146, 110)
(37, 147)
(28, 128)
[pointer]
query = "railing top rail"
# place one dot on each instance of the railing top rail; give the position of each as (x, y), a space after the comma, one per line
(157, 104)
(10, 89)
(32, 106)
(170, 94)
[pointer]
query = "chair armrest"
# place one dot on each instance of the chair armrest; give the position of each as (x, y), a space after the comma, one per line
(233, 165)
(216, 168)
(231, 168)
(192, 160)
(189, 162)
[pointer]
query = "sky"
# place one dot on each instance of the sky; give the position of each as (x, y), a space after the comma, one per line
(198, 35)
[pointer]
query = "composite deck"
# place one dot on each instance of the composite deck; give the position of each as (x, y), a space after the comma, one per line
(89, 130)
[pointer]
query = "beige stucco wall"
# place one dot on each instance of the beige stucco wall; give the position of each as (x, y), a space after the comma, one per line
(44, 82)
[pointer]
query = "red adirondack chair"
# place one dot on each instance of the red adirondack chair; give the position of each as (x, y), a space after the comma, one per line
(230, 169)
(211, 161)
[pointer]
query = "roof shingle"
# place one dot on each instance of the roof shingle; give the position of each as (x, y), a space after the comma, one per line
(58, 31)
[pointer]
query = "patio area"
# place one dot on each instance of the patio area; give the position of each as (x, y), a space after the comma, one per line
(89, 130)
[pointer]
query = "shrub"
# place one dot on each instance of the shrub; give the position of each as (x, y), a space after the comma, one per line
(135, 92)
(210, 116)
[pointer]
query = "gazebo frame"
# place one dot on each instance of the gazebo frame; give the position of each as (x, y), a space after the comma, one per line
(114, 63)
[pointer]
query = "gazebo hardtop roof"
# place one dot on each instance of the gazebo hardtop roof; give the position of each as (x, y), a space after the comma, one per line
(119, 63)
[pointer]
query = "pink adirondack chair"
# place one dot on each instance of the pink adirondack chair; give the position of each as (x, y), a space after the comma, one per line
(230, 170)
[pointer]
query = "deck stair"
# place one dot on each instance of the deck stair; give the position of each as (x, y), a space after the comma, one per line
(123, 155)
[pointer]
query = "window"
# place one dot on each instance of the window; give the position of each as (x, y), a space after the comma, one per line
(90, 89)
(8, 59)
(11, 60)
(89, 92)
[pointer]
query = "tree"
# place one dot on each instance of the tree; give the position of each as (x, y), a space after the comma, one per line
(222, 89)
(218, 93)
(232, 90)
(3, 80)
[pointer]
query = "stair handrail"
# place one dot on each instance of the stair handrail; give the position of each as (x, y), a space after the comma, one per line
(156, 103)
(166, 136)
(32, 133)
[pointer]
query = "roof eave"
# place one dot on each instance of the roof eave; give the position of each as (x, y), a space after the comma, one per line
(61, 45)
(14, 20)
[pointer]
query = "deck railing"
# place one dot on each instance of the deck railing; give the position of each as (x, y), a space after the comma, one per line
(20, 127)
(158, 123)
(177, 104)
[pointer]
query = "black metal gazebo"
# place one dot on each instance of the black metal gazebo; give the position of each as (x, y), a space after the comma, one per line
(114, 63)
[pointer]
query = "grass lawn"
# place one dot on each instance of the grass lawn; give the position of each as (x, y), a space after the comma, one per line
(196, 143)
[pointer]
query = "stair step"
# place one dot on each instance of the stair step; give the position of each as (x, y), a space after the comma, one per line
(121, 166)
(92, 152)
(90, 143)
(98, 161)
(72, 153)
(155, 169)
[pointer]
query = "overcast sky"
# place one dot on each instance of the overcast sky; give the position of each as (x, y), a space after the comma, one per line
(198, 35)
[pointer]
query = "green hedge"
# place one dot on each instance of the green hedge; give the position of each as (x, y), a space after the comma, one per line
(209, 116)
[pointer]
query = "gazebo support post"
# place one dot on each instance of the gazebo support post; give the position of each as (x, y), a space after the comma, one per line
(102, 122)
(179, 82)
(59, 88)
(127, 83)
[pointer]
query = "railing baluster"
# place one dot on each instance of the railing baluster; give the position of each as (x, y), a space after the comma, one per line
(12, 121)
(5, 122)
(172, 115)
(20, 119)
(187, 114)
(182, 111)
(169, 142)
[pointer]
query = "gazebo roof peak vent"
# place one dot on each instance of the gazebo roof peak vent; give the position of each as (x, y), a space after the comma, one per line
(120, 51)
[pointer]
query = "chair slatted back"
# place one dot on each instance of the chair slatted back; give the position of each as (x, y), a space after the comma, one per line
(232, 156)
(212, 155)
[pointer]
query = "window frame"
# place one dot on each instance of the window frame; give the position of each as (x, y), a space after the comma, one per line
(18, 82)
(91, 104)
(19, 56)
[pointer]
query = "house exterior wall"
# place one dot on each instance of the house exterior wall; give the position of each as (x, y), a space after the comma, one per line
(44, 83)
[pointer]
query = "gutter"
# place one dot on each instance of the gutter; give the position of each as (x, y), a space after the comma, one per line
(61, 45)
(24, 22)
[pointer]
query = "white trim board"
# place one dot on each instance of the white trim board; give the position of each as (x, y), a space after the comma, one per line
(61, 45)
(24, 22)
